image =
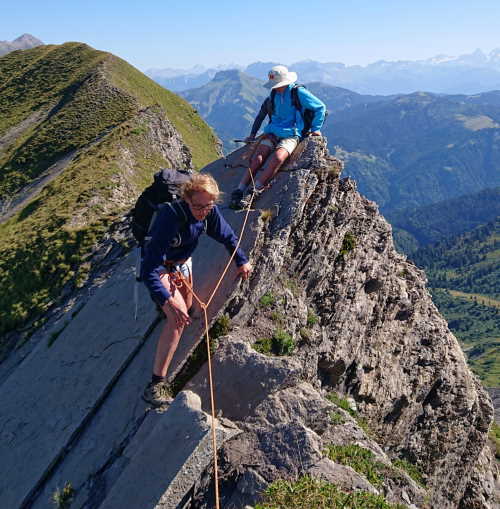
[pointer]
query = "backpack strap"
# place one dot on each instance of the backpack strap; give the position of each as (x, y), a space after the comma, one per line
(270, 104)
(295, 97)
(175, 206)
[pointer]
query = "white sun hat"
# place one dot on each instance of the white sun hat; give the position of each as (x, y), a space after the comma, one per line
(279, 76)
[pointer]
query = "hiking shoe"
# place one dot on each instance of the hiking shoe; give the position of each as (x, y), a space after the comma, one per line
(157, 394)
(252, 197)
(236, 198)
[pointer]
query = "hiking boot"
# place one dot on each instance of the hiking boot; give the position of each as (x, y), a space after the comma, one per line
(252, 197)
(236, 199)
(157, 394)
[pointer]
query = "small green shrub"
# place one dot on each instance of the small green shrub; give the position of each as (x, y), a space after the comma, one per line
(305, 334)
(62, 498)
(264, 345)
(412, 470)
(267, 300)
(336, 418)
(309, 493)
(312, 318)
(292, 285)
(341, 402)
(281, 343)
(363, 424)
(360, 459)
(348, 245)
(221, 327)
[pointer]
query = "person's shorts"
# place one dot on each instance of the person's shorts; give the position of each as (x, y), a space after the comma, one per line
(186, 269)
(289, 144)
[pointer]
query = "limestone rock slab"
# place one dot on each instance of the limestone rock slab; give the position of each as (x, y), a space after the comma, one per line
(56, 389)
(163, 469)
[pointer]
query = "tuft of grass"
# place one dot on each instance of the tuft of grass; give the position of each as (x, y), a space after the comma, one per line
(360, 459)
(305, 334)
(221, 327)
(267, 300)
(336, 418)
(310, 493)
(62, 498)
(363, 424)
(292, 285)
(412, 470)
(344, 404)
(264, 346)
(312, 318)
(277, 317)
(341, 402)
(281, 343)
(348, 245)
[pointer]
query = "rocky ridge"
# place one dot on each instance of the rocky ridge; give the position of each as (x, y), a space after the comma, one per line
(359, 323)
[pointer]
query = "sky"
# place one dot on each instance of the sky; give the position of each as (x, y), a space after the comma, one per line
(181, 34)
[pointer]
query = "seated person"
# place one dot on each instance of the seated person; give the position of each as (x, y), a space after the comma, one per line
(294, 113)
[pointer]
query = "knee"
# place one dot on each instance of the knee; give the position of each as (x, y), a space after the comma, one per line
(282, 156)
(257, 161)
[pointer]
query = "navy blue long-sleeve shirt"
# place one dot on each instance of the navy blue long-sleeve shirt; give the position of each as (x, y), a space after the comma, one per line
(174, 237)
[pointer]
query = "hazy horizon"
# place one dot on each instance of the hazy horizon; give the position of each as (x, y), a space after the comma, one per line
(180, 36)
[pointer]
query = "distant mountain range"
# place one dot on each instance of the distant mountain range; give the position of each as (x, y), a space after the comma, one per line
(466, 74)
(418, 149)
(25, 41)
(403, 150)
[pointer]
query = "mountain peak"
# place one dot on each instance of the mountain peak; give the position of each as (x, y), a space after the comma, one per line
(228, 74)
(25, 41)
(27, 38)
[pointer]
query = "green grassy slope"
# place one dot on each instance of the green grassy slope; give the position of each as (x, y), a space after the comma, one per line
(464, 275)
(477, 326)
(469, 263)
(98, 107)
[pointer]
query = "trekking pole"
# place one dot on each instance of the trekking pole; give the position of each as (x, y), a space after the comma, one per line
(137, 279)
(245, 141)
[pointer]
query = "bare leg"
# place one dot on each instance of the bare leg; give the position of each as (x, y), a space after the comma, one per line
(278, 157)
(171, 333)
(256, 162)
(186, 293)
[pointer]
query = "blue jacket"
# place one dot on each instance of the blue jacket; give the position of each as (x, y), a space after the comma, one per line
(287, 121)
(174, 237)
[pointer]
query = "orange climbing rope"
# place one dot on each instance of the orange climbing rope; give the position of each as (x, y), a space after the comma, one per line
(204, 306)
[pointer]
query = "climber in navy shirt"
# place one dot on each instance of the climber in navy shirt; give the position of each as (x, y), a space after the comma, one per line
(174, 237)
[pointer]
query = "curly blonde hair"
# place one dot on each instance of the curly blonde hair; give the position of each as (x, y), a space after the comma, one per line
(201, 182)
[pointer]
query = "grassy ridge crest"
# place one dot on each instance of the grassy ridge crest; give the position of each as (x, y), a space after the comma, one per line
(103, 109)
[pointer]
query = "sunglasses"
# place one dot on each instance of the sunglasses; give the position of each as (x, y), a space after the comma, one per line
(199, 207)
